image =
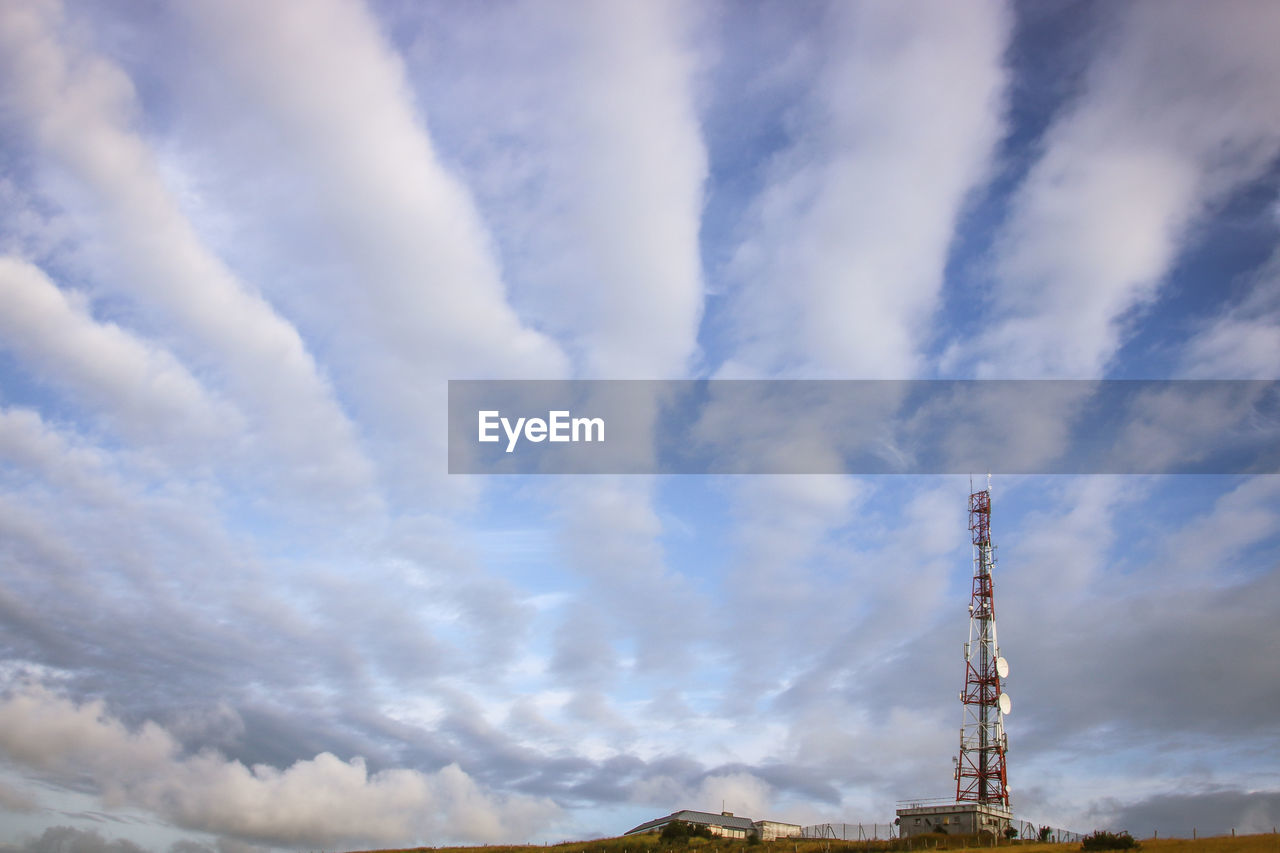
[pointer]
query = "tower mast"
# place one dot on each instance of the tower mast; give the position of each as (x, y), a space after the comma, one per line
(981, 775)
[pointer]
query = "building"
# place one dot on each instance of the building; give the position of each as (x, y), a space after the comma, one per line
(725, 825)
(772, 830)
(954, 819)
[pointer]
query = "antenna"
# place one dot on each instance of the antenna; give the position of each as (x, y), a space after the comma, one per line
(981, 776)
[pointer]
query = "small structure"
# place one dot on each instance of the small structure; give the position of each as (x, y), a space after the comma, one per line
(724, 825)
(772, 830)
(954, 819)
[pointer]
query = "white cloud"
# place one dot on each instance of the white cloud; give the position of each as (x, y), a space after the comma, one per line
(321, 801)
(14, 800)
(24, 440)
(578, 127)
(414, 291)
(1185, 425)
(1243, 342)
(1242, 517)
(741, 793)
(1061, 552)
(142, 389)
(843, 264)
(433, 285)
(782, 564)
(910, 746)
(79, 107)
(637, 164)
(612, 537)
(1179, 108)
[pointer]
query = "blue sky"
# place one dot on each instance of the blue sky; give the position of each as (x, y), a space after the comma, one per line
(244, 246)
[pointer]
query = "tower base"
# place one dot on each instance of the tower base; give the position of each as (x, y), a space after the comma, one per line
(954, 819)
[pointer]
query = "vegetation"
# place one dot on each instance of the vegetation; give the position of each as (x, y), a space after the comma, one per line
(681, 831)
(1103, 840)
(1268, 843)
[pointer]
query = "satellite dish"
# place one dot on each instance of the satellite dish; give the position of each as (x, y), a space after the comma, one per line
(1002, 667)
(1005, 703)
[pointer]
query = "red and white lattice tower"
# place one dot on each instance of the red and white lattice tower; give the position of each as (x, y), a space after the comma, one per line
(981, 776)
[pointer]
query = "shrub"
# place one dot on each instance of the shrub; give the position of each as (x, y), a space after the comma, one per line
(679, 830)
(1102, 840)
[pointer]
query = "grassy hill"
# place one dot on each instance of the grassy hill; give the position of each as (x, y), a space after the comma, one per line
(1268, 843)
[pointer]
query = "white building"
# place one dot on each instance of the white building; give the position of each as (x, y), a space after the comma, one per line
(772, 830)
(724, 825)
(954, 819)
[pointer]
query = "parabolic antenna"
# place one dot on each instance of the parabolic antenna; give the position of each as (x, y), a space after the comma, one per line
(1005, 704)
(1002, 667)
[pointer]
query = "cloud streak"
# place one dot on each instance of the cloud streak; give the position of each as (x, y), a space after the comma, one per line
(579, 128)
(842, 264)
(145, 391)
(79, 106)
(1178, 109)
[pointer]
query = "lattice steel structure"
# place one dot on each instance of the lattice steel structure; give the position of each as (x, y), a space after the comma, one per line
(981, 775)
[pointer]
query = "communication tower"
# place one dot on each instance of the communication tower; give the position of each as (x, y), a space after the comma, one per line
(981, 776)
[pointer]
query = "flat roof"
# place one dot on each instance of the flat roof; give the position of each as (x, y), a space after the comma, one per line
(953, 808)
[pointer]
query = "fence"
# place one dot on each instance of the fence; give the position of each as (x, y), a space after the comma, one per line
(884, 831)
(851, 831)
(1028, 830)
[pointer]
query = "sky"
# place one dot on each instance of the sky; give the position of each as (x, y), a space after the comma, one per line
(244, 246)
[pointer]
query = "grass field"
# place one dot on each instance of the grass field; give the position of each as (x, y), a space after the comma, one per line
(1268, 843)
